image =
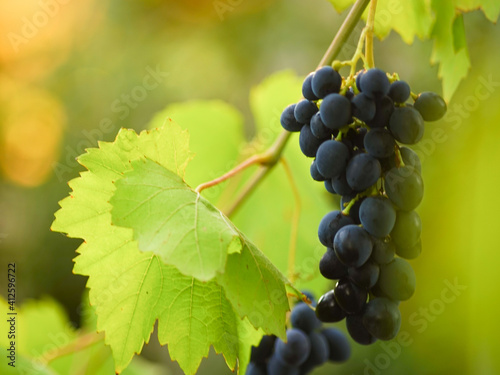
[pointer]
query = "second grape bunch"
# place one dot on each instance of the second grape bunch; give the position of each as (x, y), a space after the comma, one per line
(354, 128)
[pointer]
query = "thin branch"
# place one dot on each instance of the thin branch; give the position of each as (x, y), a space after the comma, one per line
(82, 342)
(370, 24)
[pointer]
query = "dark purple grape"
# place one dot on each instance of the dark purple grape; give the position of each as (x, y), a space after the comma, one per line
(353, 245)
(430, 105)
(399, 91)
(288, 121)
(328, 310)
(331, 267)
(350, 297)
(326, 81)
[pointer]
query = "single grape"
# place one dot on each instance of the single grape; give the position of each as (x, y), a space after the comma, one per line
(328, 309)
(335, 111)
(406, 125)
(399, 91)
(430, 105)
(326, 81)
(407, 229)
(352, 245)
(316, 176)
(404, 187)
(264, 350)
(397, 279)
(379, 143)
(350, 297)
(374, 83)
(410, 252)
(296, 350)
(330, 266)
(382, 318)
(384, 107)
(358, 79)
(363, 108)
(362, 172)
(331, 158)
(411, 158)
(255, 369)
(308, 143)
(288, 121)
(340, 350)
(329, 226)
(304, 111)
(307, 88)
(319, 129)
(365, 276)
(320, 352)
(377, 216)
(304, 318)
(341, 186)
(383, 250)
(276, 366)
(357, 330)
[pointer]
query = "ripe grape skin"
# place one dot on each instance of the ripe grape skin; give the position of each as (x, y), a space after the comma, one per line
(399, 91)
(308, 143)
(264, 350)
(365, 276)
(410, 158)
(404, 187)
(410, 252)
(340, 350)
(382, 318)
(406, 125)
(352, 245)
(397, 279)
(319, 129)
(341, 186)
(329, 226)
(304, 111)
(288, 121)
(350, 297)
(326, 81)
(329, 187)
(328, 309)
(430, 105)
(357, 330)
(379, 143)
(304, 318)
(358, 79)
(319, 352)
(377, 216)
(362, 172)
(331, 158)
(276, 366)
(296, 350)
(383, 250)
(363, 107)
(316, 176)
(335, 111)
(407, 229)
(330, 266)
(374, 83)
(384, 107)
(307, 88)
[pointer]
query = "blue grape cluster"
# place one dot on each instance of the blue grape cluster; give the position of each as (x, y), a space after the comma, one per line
(308, 346)
(355, 130)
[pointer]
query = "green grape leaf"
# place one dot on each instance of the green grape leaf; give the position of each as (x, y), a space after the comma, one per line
(131, 289)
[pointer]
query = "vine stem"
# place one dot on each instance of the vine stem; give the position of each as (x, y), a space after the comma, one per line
(295, 222)
(82, 342)
(370, 25)
(274, 152)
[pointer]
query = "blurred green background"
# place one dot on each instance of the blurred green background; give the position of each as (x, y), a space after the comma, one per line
(82, 75)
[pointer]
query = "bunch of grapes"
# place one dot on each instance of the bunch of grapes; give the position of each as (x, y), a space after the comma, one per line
(354, 128)
(308, 346)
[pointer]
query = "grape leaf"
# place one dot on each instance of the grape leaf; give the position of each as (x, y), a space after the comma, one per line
(132, 289)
